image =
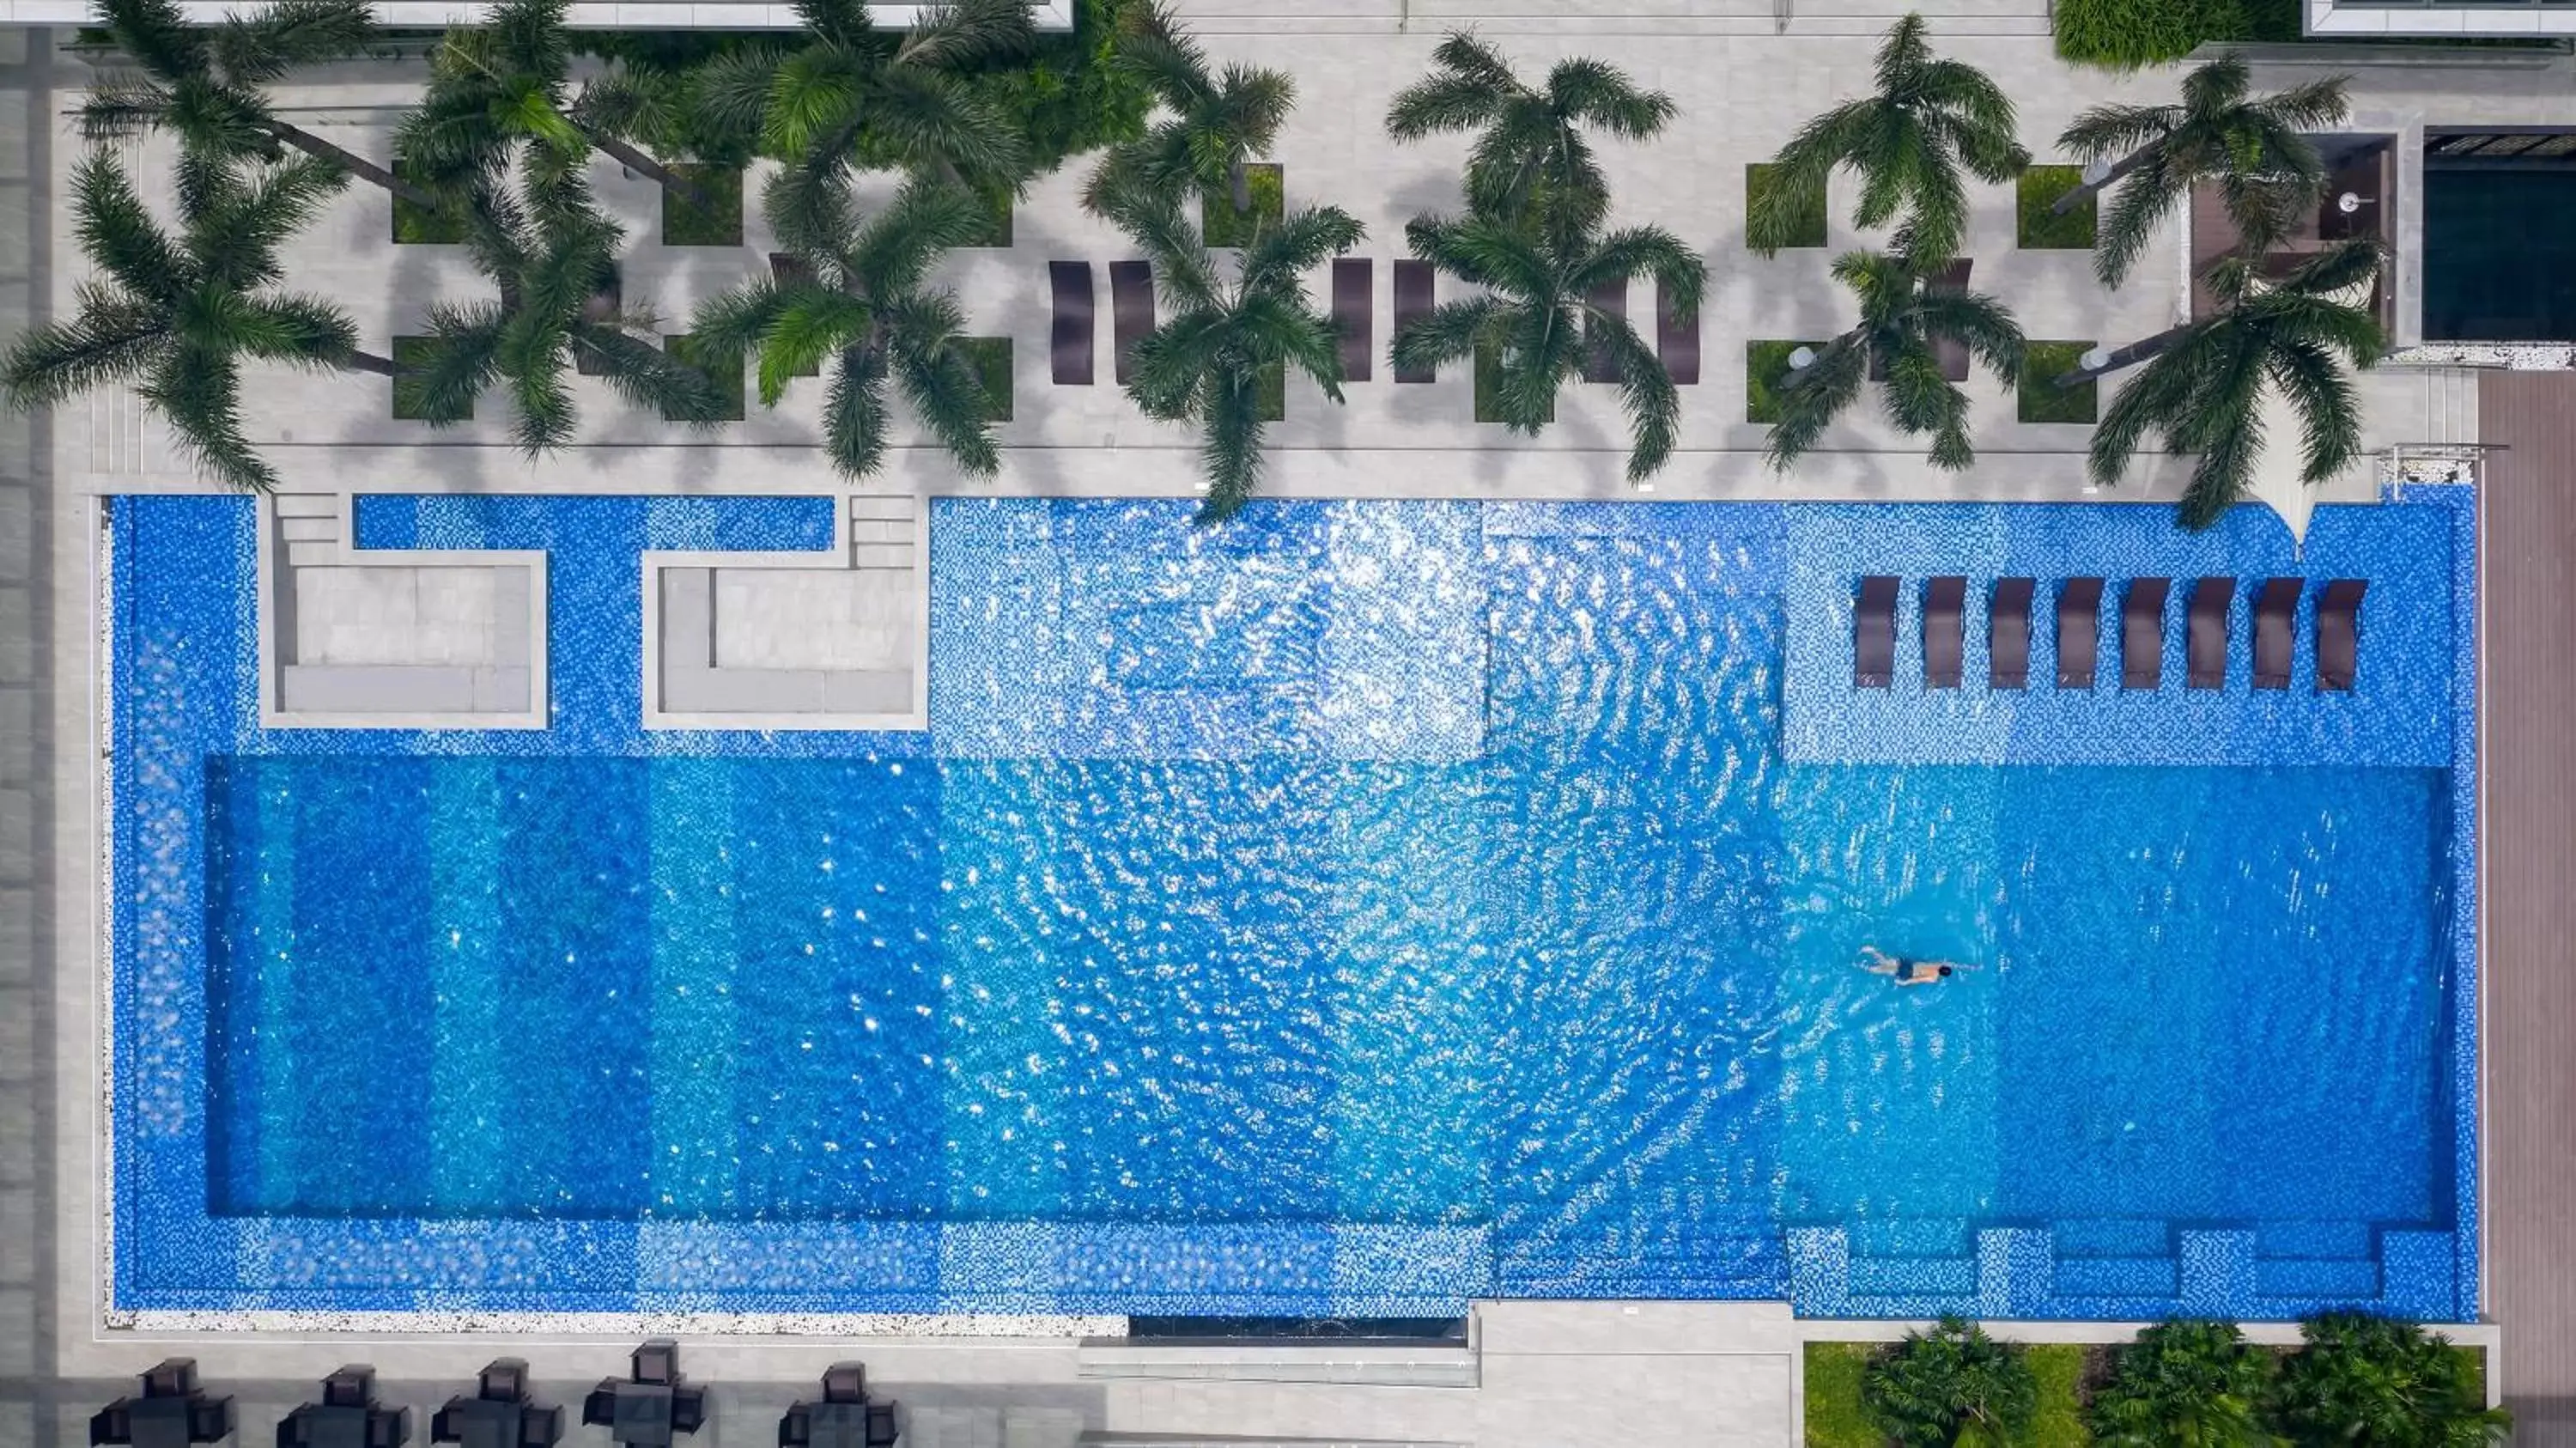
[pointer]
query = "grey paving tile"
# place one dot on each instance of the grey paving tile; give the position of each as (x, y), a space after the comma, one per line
(17, 738)
(17, 1134)
(17, 937)
(17, 837)
(17, 531)
(17, 1236)
(17, 1034)
(17, 638)
(17, 1335)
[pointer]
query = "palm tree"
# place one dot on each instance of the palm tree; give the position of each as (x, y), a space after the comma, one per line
(2203, 384)
(1219, 122)
(1537, 315)
(1902, 318)
(2184, 1384)
(1908, 141)
(1953, 1387)
(2255, 150)
(2369, 1382)
(856, 298)
(178, 314)
(854, 95)
(1532, 158)
(504, 81)
(551, 256)
(206, 84)
(1206, 363)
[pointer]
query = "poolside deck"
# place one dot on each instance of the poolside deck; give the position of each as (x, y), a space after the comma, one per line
(2530, 534)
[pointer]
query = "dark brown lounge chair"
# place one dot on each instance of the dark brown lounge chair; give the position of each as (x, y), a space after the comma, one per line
(1676, 341)
(1953, 356)
(2079, 631)
(2142, 633)
(1874, 634)
(2276, 613)
(1945, 601)
(1413, 302)
(1069, 346)
(1355, 315)
(2339, 634)
(1611, 298)
(2008, 634)
(2205, 640)
(1131, 313)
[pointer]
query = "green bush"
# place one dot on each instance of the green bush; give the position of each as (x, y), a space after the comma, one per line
(729, 383)
(2184, 1384)
(719, 223)
(2057, 1368)
(2370, 1382)
(991, 357)
(2039, 227)
(1068, 98)
(1952, 1387)
(2039, 397)
(1758, 180)
(1836, 1417)
(1766, 367)
(409, 354)
(1223, 225)
(2126, 34)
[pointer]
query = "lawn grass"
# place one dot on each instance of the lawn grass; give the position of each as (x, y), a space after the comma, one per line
(1223, 225)
(1836, 1417)
(1758, 180)
(420, 226)
(718, 223)
(409, 353)
(1489, 376)
(2038, 396)
(2038, 227)
(991, 358)
(1766, 366)
(2058, 1419)
(730, 388)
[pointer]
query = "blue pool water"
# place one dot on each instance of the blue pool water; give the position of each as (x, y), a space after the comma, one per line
(1372, 906)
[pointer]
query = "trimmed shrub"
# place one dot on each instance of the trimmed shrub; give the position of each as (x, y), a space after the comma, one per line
(1766, 367)
(2038, 227)
(2038, 396)
(1952, 1387)
(2127, 34)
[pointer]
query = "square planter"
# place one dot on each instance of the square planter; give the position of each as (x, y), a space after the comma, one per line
(1222, 225)
(729, 387)
(1489, 373)
(997, 223)
(1809, 209)
(1766, 366)
(2038, 396)
(420, 226)
(408, 353)
(1274, 392)
(719, 223)
(2037, 226)
(991, 359)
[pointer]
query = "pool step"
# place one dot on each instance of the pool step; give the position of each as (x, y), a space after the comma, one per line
(308, 526)
(2357, 1279)
(884, 530)
(2115, 1277)
(1914, 1276)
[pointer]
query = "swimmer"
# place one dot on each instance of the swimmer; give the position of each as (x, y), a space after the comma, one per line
(1906, 972)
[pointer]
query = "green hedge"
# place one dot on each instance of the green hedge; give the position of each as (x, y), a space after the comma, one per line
(2126, 34)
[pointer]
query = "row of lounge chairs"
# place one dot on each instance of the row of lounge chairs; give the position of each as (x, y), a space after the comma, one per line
(643, 1410)
(1074, 296)
(2079, 632)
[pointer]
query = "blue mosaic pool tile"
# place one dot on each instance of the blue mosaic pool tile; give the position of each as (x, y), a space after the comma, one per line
(1914, 1276)
(2460, 503)
(2113, 1237)
(2312, 1239)
(2400, 713)
(2115, 1277)
(2418, 1276)
(1912, 1237)
(2350, 1279)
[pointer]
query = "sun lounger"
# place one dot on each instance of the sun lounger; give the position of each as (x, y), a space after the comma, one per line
(2079, 631)
(1070, 346)
(1953, 356)
(1676, 342)
(1413, 302)
(1612, 298)
(2276, 612)
(2339, 634)
(1355, 315)
(2142, 633)
(2205, 651)
(2008, 634)
(1945, 601)
(1874, 634)
(1131, 314)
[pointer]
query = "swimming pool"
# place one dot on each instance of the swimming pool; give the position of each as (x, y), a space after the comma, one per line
(1361, 909)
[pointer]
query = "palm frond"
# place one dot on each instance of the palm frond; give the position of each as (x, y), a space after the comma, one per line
(1299, 244)
(1647, 394)
(651, 379)
(1601, 94)
(118, 233)
(969, 33)
(1810, 402)
(940, 383)
(262, 46)
(1230, 449)
(197, 391)
(854, 414)
(108, 339)
(460, 359)
(1446, 333)
(157, 34)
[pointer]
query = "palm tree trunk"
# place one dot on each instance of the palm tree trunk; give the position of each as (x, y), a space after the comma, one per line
(359, 361)
(2110, 178)
(2129, 356)
(351, 162)
(663, 176)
